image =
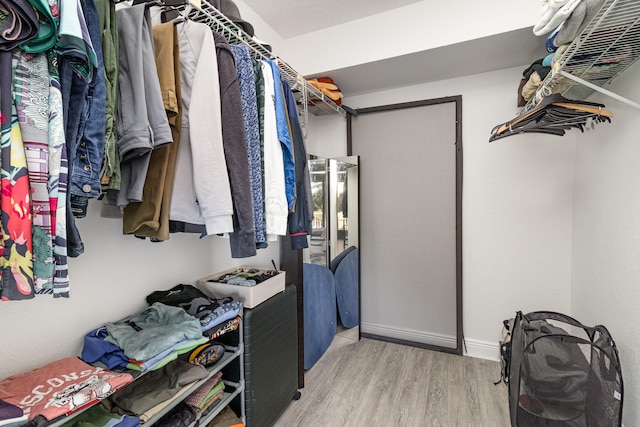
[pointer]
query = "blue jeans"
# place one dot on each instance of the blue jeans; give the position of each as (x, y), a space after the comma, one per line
(84, 106)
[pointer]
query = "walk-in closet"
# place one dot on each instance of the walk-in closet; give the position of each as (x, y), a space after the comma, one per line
(233, 213)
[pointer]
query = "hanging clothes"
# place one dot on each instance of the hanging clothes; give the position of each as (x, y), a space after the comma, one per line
(261, 241)
(87, 150)
(142, 121)
(300, 220)
(242, 240)
(284, 135)
(150, 218)
(58, 178)
(244, 68)
(201, 192)
(110, 171)
(16, 261)
(275, 198)
(31, 94)
(77, 67)
(19, 24)
(47, 34)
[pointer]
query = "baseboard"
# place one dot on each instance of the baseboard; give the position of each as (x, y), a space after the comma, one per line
(474, 348)
(482, 349)
(412, 335)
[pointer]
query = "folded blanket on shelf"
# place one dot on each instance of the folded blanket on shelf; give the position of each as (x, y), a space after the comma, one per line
(574, 24)
(553, 16)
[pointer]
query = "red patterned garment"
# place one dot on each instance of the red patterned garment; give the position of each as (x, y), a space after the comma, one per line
(61, 387)
(15, 234)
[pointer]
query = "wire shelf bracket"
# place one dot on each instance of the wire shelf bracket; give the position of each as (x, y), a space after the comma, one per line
(600, 89)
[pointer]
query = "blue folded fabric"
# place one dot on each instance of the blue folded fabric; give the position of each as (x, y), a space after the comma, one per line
(223, 317)
(549, 44)
(128, 421)
(97, 349)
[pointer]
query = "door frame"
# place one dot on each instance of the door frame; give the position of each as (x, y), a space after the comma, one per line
(457, 99)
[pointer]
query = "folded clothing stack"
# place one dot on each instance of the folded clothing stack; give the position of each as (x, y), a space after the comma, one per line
(177, 321)
(205, 396)
(146, 341)
(565, 20)
(327, 86)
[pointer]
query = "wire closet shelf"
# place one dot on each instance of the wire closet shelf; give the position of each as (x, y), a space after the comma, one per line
(310, 98)
(605, 48)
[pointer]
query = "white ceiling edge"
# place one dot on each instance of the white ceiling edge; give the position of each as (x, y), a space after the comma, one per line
(290, 18)
(263, 30)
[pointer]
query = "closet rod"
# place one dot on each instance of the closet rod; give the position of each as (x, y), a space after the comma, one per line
(600, 89)
(209, 15)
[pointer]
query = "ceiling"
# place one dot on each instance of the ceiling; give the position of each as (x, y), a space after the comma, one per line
(291, 18)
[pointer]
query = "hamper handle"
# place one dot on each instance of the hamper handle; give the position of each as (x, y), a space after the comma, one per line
(552, 315)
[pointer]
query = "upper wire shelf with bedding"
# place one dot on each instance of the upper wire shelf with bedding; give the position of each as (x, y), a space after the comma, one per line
(605, 48)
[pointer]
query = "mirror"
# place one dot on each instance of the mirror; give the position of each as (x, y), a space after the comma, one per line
(317, 252)
(343, 204)
(334, 237)
(334, 187)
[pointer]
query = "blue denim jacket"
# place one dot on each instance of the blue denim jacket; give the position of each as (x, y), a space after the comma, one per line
(89, 145)
(84, 104)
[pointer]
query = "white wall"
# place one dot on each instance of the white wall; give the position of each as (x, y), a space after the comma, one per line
(517, 207)
(327, 136)
(108, 282)
(606, 241)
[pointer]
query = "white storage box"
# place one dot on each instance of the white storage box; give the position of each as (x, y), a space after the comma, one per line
(250, 296)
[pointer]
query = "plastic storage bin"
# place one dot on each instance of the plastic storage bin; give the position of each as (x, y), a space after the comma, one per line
(250, 296)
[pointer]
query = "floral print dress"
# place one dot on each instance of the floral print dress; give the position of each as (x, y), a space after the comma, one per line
(16, 259)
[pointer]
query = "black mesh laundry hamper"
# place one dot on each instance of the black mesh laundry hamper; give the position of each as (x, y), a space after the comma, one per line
(562, 379)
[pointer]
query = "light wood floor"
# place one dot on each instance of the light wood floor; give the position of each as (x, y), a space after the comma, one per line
(373, 383)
